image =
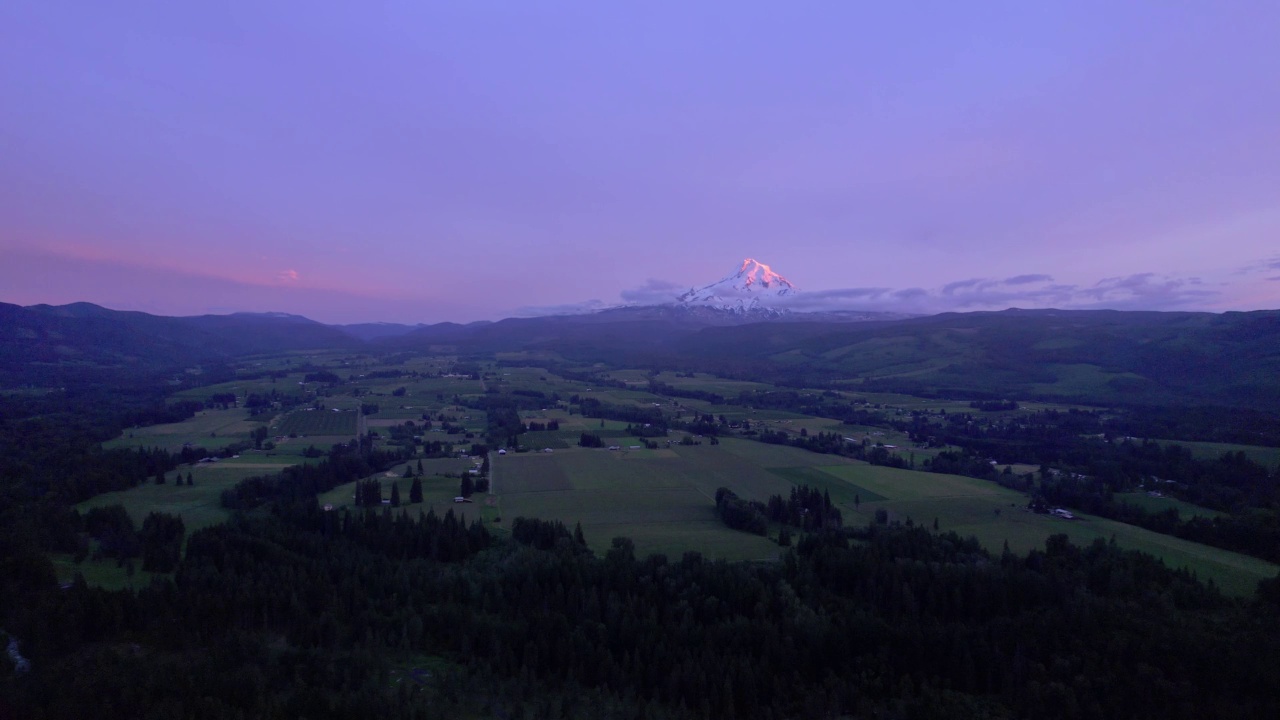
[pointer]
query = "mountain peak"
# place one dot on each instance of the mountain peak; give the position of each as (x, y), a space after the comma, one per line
(754, 272)
(751, 287)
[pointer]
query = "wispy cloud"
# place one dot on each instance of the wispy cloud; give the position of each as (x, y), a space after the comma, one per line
(653, 292)
(1024, 279)
(287, 276)
(1140, 291)
(1261, 265)
(578, 308)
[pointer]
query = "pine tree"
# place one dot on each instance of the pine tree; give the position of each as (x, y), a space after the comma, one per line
(190, 482)
(468, 487)
(395, 494)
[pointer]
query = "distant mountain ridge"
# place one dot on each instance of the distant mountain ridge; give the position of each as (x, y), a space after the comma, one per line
(88, 336)
(1099, 356)
(378, 330)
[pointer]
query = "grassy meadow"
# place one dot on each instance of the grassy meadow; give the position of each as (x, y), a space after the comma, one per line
(210, 429)
(664, 500)
(1265, 456)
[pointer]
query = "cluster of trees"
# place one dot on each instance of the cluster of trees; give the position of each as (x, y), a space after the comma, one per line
(159, 542)
(590, 440)
(595, 408)
(647, 430)
(221, 400)
(658, 387)
(343, 464)
(545, 534)
(806, 508)
(327, 377)
(259, 403)
(746, 515)
(161, 538)
(368, 493)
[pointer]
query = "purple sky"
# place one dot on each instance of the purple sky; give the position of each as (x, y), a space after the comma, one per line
(418, 162)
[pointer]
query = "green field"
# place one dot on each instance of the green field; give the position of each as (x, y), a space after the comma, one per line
(1266, 456)
(1159, 504)
(663, 499)
(200, 505)
(438, 492)
(101, 573)
(995, 515)
(210, 429)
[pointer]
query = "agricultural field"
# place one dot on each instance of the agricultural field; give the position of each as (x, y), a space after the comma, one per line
(318, 422)
(1265, 456)
(199, 505)
(438, 491)
(710, 383)
(995, 515)
(534, 378)
(243, 388)
(1160, 504)
(1081, 379)
(664, 500)
(210, 429)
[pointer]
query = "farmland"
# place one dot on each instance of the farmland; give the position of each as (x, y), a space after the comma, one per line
(1267, 456)
(199, 505)
(211, 429)
(1155, 504)
(318, 422)
(663, 500)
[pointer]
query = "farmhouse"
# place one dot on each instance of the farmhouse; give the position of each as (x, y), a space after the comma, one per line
(1062, 513)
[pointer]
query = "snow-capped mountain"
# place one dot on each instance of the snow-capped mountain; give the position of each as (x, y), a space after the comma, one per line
(753, 287)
